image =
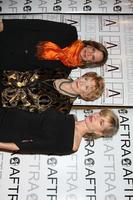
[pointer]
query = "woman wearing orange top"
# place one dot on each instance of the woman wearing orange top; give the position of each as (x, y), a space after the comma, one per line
(32, 43)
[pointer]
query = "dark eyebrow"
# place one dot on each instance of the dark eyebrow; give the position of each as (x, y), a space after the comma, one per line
(93, 58)
(101, 122)
(94, 49)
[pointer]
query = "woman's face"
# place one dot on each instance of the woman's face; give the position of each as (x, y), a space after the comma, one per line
(91, 54)
(83, 85)
(97, 123)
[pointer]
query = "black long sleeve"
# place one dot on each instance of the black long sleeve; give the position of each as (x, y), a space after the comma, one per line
(35, 24)
(61, 33)
(19, 40)
(49, 132)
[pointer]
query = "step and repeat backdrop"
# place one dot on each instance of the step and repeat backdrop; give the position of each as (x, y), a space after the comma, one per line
(66, 6)
(101, 169)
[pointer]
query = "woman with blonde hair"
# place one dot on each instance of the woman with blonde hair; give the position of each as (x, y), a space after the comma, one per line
(108, 131)
(51, 132)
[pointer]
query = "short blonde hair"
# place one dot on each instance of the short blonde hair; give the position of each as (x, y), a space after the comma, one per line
(111, 130)
(98, 89)
(113, 121)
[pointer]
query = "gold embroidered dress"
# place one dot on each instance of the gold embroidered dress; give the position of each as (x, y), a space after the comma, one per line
(33, 91)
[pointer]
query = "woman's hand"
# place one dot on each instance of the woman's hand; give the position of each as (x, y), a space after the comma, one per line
(8, 146)
(1, 25)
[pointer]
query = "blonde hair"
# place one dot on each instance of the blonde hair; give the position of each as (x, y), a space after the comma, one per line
(113, 121)
(111, 130)
(98, 89)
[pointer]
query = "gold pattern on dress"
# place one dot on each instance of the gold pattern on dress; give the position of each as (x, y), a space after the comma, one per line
(32, 91)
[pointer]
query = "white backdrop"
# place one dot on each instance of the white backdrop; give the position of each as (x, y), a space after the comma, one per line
(66, 6)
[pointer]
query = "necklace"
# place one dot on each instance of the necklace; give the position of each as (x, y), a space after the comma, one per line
(64, 91)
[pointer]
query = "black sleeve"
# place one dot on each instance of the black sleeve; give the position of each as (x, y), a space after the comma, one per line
(16, 124)
(62, 34)
(36, 146)
(13, 120)
(40, 147)
(50, 65)
(54, 65)
(36, 24)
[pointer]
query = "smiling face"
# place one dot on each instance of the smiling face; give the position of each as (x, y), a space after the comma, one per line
(83, 85)
(96, 123)
(91, 54)
(89, 87)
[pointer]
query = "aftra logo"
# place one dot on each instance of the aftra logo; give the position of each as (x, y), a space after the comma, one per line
(15, 161)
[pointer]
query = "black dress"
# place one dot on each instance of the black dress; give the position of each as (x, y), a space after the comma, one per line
(50, 132)
(33, 91)
(19, 39)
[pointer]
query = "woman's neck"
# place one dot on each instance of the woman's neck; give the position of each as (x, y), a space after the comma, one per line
(81, 128)
(63, 86)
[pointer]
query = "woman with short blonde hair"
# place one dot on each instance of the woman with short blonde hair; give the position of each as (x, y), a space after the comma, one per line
(51, 132)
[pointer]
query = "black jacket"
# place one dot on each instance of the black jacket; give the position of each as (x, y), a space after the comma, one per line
(20, 37)
(49, 132)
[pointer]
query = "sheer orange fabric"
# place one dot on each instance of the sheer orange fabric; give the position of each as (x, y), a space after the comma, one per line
(69, 56)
